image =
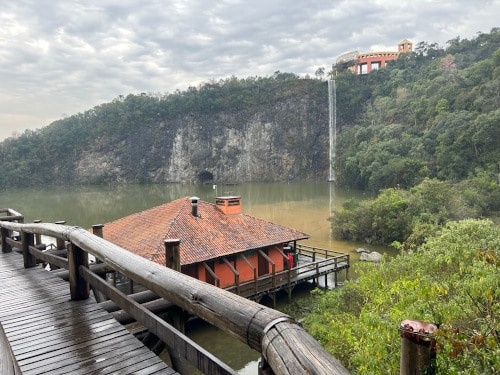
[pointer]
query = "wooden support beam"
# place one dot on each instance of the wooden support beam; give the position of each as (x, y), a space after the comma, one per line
(181, 347)
(49, 257)
(172, 254)
(212, 273)
(235, 273)
(79, 287)
(5, 246)
(28, 239)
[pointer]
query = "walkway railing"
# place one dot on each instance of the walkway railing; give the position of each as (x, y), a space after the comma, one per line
(286, 348)
(312, 263)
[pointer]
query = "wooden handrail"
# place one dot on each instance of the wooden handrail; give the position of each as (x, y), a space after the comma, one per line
(285, 346)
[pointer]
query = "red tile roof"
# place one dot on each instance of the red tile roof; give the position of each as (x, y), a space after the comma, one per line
(211, 234)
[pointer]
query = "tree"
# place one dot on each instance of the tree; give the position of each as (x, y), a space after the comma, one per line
(451, 280)
(320, 72)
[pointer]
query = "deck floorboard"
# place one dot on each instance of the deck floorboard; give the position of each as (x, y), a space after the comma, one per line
(49, 333)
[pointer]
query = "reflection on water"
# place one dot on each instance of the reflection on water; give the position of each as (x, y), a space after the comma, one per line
(233, 352)
(305, 206)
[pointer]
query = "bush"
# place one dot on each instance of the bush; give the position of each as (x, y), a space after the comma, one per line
(451, 280)
(408, 217)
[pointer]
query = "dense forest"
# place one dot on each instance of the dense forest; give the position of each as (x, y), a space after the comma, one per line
(432, 113)
(429, 144)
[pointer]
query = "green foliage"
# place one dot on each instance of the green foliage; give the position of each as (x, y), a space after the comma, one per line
(451, 280)
(409, 216)
(137, 130)
(433, 113)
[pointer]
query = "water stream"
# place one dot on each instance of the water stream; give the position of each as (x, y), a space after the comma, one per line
(332, 126)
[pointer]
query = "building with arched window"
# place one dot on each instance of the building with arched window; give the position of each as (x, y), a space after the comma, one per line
(364, 63)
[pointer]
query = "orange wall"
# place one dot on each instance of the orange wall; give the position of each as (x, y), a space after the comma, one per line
(246, 273)
(277, 258)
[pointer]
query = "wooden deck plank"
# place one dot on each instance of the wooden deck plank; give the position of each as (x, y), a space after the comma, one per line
(38, 342)
(49, 333)
(26, 335)
(82, 365)
(69, 364)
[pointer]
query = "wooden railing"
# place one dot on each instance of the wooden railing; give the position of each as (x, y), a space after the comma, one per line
(285, 347)
(319, 262)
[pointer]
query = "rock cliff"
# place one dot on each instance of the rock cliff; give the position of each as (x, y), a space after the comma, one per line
(282, 140)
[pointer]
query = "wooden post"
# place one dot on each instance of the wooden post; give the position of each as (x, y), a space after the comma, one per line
(289, 287)
(177, 315)
(79, 288)
(347, 268)
(418, 353)
(100, 296)
(172, 254)
(335, 274)
(28, 239)
(60, 241)
(38, 236)
(97, 230)
(5, 246)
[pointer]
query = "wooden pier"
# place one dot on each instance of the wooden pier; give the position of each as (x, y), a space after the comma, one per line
(48, 325)
(49, 333)
(312, 263)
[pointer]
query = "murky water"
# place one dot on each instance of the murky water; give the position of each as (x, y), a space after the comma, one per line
(305, 206)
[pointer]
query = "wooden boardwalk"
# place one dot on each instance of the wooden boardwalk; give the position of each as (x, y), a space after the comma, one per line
(49, 333)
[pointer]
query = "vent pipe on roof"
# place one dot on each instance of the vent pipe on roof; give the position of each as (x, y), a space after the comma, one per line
(194, 206)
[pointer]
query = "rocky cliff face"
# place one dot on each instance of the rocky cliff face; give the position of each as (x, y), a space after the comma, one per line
(283, 140)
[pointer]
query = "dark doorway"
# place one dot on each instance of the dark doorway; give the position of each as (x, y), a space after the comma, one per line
(205, 176)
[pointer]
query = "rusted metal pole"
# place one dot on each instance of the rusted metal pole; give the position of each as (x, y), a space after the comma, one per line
(418, 352)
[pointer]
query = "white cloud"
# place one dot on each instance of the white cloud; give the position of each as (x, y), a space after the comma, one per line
(63, 57)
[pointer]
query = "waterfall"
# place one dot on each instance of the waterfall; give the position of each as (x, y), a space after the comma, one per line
(332, 106)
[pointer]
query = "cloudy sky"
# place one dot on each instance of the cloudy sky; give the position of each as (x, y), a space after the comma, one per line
(61, 57)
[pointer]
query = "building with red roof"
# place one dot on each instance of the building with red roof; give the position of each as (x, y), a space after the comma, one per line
(215, 243)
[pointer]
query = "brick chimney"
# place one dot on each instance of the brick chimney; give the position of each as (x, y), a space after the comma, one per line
(229, 205)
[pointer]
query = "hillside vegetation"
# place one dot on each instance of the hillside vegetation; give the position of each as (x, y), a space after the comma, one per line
(433, 113)
(452, 281)
(430, 146)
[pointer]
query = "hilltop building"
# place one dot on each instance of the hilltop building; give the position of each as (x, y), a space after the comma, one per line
(364, 63)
